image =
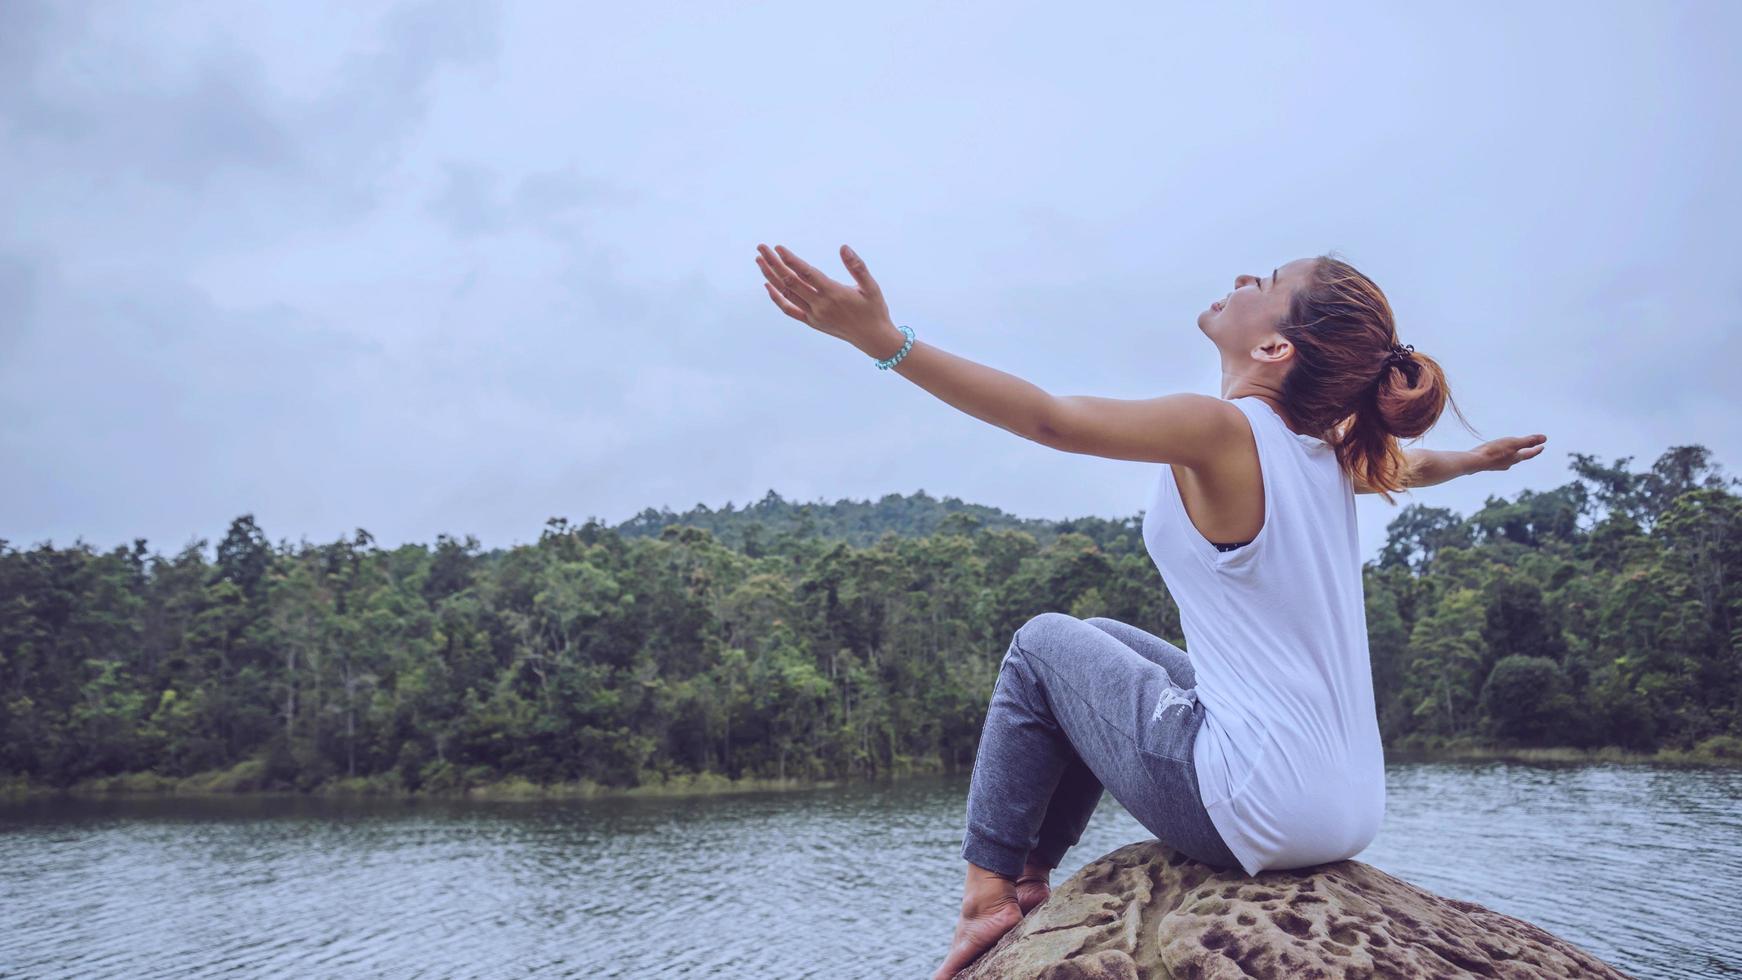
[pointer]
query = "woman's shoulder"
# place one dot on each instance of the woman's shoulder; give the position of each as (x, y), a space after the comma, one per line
(1267, 417)
(1249, 432)
(1227, 439)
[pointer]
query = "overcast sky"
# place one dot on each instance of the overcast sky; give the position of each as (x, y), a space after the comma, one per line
(444, 267)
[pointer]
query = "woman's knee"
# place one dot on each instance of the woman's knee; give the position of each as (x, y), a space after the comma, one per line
(1047, 630)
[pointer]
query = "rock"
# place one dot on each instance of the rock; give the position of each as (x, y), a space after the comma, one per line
(1148, 912)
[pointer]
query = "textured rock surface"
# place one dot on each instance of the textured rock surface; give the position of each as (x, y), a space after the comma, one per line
(1146, 911)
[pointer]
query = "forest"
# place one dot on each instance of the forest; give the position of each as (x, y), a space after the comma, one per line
(808, 641)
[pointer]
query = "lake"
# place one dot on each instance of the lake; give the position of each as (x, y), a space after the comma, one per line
(1638, 864)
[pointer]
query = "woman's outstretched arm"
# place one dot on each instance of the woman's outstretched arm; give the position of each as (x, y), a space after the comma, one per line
(1428, 467)
(986, 393)
(858, 315)
(1424, 468)
(1184, 428)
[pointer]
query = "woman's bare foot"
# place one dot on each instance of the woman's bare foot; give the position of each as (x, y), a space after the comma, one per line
(1032, 887)
(989, 910)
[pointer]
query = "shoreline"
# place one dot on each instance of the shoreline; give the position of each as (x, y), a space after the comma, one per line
(1720, 752)
(242, 779)
(220, 784)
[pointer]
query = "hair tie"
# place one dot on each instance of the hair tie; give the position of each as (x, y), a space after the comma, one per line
(1400, 352)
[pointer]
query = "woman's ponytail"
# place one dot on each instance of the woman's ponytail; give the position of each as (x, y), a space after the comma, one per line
(1352, 380)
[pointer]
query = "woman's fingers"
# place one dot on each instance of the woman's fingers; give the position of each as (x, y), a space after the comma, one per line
(1508, 450)
(861, 274)
(1528, 447)
(783, 297)
(789, 281)
(769, 272)
(816, 280)
(778, 283)
(785, 305)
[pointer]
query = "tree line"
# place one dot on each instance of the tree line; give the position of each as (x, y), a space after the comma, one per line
(791, 640)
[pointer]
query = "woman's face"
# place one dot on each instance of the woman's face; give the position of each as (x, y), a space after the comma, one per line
(1246, 318)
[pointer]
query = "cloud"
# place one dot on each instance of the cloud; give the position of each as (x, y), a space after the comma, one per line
(453, 267)
(198, 142)
(145, 390)
(471, 205)
(18, 287)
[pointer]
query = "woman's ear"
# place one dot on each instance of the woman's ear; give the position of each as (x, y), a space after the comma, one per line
(1275, 348)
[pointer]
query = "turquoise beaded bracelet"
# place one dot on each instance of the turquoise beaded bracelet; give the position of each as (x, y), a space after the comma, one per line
(888, 363)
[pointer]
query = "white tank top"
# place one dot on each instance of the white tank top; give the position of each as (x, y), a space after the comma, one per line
(1289, 760)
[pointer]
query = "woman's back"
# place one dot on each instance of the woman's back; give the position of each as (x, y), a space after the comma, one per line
(1289, 759)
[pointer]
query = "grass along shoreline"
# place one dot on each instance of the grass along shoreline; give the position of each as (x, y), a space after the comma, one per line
(1719, 751)
(248, 777)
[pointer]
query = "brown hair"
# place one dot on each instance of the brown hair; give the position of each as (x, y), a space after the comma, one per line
(1349, 383)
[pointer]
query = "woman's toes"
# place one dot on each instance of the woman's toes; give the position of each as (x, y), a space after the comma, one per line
(975, 934)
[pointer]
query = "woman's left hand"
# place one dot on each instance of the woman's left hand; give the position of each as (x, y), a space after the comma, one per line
(855, 313)
(1502, 453)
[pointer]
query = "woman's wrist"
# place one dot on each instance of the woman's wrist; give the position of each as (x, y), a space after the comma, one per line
(1435, 466)
(1463, 462)
(883, 343)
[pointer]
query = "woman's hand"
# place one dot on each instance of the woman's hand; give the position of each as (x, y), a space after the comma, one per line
(1500, 454)
(858, 315)
(855, 314)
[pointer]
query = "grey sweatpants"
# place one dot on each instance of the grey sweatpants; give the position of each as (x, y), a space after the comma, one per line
(1080, 705)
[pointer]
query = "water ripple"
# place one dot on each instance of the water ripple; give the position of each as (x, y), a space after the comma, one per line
(857, 881)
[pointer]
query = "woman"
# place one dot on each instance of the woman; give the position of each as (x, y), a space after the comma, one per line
(1252, 526)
